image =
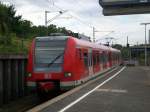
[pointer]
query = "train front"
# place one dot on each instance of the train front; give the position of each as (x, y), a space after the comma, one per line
(45, 63)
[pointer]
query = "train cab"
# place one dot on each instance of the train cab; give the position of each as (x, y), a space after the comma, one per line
(64, 62)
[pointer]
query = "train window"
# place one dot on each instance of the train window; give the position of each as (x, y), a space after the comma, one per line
(101, 58)
(80, 53)
(105, 57)
(113, 57)
(49, 55)
(109, 56)
(98, 60)
(94, 58)
(90, 59)
(85, 56)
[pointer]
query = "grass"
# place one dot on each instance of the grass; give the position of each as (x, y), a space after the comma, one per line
(15, 46)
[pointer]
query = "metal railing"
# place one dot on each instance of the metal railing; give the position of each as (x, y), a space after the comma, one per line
(12, 77)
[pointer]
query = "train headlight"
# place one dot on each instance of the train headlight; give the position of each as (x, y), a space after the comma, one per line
(29, 75)
(68, 74)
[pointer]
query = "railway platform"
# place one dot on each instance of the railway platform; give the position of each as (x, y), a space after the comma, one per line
(124, 89)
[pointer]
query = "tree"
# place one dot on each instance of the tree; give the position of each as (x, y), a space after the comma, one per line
(3, 17)
(24, 29)
(8, 22)
(117, 46)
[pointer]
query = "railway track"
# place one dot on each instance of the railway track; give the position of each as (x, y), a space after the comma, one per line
(30, 101)
(22, 104)
(25, 103)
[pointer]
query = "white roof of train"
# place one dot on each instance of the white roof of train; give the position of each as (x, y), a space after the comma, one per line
(80, 42)
(94, 45)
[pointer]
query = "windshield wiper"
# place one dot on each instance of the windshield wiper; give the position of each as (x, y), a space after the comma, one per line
(49, 64)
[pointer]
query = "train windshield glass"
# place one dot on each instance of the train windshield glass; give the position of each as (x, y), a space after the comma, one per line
(49, 55)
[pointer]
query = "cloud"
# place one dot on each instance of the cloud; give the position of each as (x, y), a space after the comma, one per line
(87, 13)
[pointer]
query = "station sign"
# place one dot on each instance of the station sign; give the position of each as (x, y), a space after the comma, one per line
(124, 7)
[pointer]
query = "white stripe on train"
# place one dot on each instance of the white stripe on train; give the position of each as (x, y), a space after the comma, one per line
(78, 82)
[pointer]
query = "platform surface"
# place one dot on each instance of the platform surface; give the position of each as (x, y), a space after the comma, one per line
(128, 91)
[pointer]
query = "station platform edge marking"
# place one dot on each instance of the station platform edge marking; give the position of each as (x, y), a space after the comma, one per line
(58, 98)
(85, 95)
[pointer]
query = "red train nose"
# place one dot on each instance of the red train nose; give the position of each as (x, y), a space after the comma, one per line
(46, 86)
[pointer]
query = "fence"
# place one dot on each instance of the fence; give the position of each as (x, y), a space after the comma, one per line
(12, 77)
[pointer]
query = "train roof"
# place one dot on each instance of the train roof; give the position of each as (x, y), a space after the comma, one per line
(94, 45)
(52, 38)
(79, 42)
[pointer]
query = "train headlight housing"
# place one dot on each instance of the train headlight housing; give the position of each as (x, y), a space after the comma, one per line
(29, 75)
(68, 74)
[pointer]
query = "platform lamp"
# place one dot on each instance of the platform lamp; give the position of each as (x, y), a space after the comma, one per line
(145, 24)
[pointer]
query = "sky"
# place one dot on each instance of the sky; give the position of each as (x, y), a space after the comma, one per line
(81, 16)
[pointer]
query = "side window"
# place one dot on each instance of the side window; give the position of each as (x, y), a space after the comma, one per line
(85, 56)
(114, 56)
(104, 57)
(79, 53)
(98, 61)
(94, 58)
(109, 56)
(101, 58)
(90, 59)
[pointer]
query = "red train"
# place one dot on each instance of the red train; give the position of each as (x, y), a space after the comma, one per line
(64, 62)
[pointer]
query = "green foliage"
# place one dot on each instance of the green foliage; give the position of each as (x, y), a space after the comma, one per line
(16, 33)
(17, 46)
(117, 46)
(125, 53)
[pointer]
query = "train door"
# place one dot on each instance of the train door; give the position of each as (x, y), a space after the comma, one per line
(110, 59)
(96, 66)
(101, 60)
(105, 59)
(86, 66)
(113, 59)
(90, 62)
(94, 60)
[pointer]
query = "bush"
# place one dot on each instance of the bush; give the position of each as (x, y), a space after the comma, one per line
(14, 45)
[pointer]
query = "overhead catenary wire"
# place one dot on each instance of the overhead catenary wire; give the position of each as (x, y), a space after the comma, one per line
(53, 4)
(72, 15)
(76, 17)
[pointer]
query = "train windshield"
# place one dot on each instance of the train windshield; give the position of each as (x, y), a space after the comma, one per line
(49, 54)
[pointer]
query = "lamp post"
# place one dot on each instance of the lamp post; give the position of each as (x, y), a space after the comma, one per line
(145, 24)
(46, 21)
(93, 34)
(46, 17)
